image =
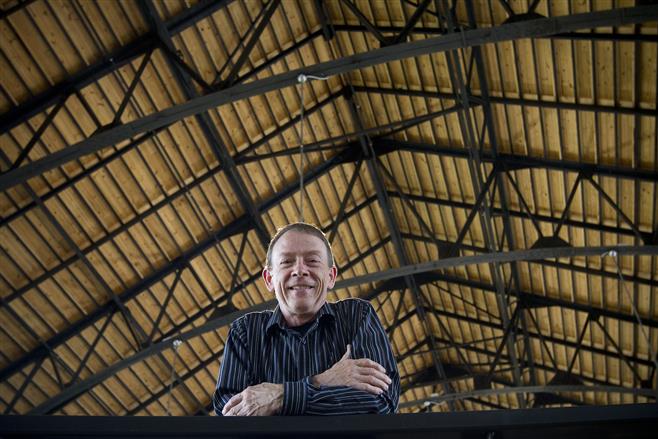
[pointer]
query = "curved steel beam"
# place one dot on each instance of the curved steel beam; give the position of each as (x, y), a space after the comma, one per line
(476, 37)
(528, 389)
(501, 257)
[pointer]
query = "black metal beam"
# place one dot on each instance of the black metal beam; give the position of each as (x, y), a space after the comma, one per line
(507, 32)
(392, 225)
(536, 389)
(462, 377)
(323, 18)
(212, 360)
(77, 81)
(582, 36)
(411, 23)
(206, 124)
(534, 335)
(268, 11)
(550, 369)
(512, 161)
(194, 14)
(107, 64)
(20, 4)
(618, 421)
(508, 9)
(113, 234)
(244, 155)
(69, 182)
(279, 56)
(475, 144)
(520, 214)
(365, 22)
(537, 254)
(523, 102)
(527, 299)
(71, 392)
(39, 132)
(240, 158)
(560, 265)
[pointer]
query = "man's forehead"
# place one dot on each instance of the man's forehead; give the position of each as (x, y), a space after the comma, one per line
(296, 241)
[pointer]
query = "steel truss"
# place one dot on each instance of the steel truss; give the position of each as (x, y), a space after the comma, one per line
(470, 38)
(367, 149)
(394, 230)
(382, 146)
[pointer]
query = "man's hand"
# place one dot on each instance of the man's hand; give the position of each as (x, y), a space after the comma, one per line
(263, 399)
(362, 374)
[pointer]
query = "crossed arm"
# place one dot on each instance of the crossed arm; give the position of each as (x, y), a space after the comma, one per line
(267, 398)
(350, 386)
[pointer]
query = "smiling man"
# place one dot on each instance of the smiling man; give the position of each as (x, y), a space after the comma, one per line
(308, 356)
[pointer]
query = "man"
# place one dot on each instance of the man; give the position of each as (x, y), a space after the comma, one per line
(308, 356)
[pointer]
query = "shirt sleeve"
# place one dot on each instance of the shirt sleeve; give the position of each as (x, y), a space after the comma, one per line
(234, 373)
(370, 341)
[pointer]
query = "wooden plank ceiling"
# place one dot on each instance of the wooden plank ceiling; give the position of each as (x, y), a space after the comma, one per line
(109, 254)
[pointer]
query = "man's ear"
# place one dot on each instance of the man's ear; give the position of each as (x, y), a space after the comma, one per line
(267, 277)
(333, 272)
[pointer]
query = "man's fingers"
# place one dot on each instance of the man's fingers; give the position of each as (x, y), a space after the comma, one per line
(366, 362)
(383, 376)
(374, 376)
(242, 410)
(375, 373)
(368, 388)
(231, 403)
(347, 353)
(237, 410)
(375, 381)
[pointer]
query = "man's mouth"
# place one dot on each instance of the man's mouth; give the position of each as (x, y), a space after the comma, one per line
(301, 287)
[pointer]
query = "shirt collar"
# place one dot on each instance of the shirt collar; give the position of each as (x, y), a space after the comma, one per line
(325, 312)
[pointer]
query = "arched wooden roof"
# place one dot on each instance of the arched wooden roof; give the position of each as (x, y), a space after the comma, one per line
(486, 171)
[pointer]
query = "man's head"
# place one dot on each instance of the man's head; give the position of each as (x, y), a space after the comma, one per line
(307, 228)
(299, 270)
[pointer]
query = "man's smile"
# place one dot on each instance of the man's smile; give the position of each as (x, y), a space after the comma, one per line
(301, 287)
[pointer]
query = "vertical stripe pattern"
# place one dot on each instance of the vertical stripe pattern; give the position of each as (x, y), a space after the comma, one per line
(260, 348)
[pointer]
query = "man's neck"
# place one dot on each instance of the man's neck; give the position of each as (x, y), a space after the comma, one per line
(292, 321)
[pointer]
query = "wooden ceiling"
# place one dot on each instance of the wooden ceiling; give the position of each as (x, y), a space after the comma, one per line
(149, 150)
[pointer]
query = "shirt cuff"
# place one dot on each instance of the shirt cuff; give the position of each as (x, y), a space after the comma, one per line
(294, 398)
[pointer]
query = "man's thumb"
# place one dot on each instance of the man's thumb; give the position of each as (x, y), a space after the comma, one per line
(347, 352)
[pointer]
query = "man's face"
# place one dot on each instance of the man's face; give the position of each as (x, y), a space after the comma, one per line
(299, 276)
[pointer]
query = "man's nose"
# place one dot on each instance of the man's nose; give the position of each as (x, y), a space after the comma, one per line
(299, 269)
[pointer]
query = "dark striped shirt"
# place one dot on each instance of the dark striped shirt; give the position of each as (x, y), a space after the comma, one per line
(261, 348)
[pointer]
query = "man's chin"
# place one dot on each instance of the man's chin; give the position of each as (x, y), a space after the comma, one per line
(305, 306)
(303, 309)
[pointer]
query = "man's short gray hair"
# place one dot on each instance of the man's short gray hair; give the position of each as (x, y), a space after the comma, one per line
(302, 228)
